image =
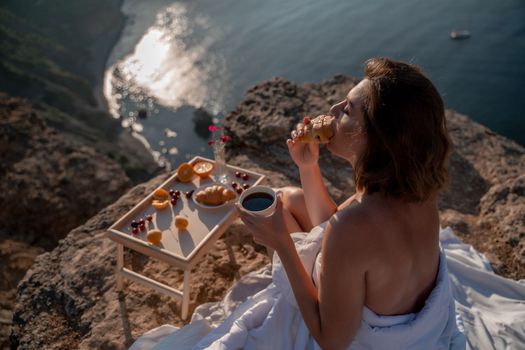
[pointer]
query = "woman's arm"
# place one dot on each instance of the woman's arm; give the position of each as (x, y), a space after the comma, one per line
(319, 204)
(332, 314)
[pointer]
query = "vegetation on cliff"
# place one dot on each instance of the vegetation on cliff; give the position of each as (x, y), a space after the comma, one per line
(54, 56)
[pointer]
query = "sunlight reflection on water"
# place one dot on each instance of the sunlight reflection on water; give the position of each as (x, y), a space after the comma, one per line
(175, 58)
(171, 66)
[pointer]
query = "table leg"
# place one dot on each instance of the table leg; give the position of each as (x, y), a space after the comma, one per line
(185, 294)
(120, 265)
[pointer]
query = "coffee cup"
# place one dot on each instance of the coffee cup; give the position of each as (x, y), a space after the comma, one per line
(260, 200)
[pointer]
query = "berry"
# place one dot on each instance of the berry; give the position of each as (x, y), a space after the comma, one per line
(245, 176)
(149, 218)
(177, 193)
(189, 193)
(172, 192)
(174, 200)
(134, 224)
(306, 120)
(234, 184)
(239, 190)
(237, 174)
(135, 230)
(142, 228)
(245, 186)
(141, 222)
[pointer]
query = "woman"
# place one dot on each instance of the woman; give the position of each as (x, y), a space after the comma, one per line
(367, 274)
(380, 256)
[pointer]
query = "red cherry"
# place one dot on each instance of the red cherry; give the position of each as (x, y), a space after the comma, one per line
(135, 230)
(245, 186)
(149, 218)
(189, 193)
(142, 228)
(177, 193)
(141, 222)
(237, 174)
(172, 192)
(245, 176)
(234, 184)
(239, 190)
(174, 200)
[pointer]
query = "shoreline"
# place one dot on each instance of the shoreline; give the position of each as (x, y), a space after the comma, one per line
(102, 54)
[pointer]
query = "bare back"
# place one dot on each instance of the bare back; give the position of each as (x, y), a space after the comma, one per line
(403, 263)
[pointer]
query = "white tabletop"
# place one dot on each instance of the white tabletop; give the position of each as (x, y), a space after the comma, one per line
(205, 224)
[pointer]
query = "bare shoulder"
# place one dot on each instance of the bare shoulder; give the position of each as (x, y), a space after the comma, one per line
(349, 235)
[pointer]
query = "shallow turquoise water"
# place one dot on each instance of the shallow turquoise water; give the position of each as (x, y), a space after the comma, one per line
(177, 55)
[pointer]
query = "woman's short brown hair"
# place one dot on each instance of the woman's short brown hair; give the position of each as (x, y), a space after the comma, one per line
(407, 138)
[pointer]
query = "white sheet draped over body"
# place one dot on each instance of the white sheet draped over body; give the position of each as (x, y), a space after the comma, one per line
(260, 311)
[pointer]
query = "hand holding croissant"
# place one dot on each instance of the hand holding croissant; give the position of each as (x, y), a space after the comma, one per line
(317, 130)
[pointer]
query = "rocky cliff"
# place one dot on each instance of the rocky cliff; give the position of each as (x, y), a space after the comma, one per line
(54, 55)
(49, 185)
(54, 178)
(68, 299)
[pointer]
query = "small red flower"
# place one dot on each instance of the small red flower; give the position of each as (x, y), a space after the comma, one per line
(226, 138)
(211, 142)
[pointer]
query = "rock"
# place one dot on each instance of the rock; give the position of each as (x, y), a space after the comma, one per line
(68, 296)
(482, 166)
(201, 120)
(49, 185)
(61, 72)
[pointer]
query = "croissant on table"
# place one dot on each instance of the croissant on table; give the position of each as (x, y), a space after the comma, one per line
(214, 195)
(318, 130)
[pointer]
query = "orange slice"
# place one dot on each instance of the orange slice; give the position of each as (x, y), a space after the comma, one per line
(185, 172)
(160, 204)
(154, 236)
(161, 194)
(203, 169)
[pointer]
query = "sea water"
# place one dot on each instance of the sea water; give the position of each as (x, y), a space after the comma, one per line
(182, 61)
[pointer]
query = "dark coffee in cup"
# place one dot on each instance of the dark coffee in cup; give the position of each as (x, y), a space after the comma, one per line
(257, 201)
(260, 200)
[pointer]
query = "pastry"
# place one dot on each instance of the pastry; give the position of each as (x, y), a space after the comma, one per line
(181, 222)
(154, 236)
(160, 194)
(214, 195)
(318, 130)
(160, 204)
(160, 199)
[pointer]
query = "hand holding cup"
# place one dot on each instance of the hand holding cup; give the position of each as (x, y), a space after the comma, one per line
(261, 210)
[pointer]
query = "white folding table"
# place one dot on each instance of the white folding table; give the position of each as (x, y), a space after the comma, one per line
(179, 248)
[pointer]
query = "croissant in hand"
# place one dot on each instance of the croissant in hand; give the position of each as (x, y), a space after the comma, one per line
(214, 195)
(318, 130)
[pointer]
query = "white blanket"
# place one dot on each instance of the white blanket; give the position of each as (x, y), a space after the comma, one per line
(260, 312)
